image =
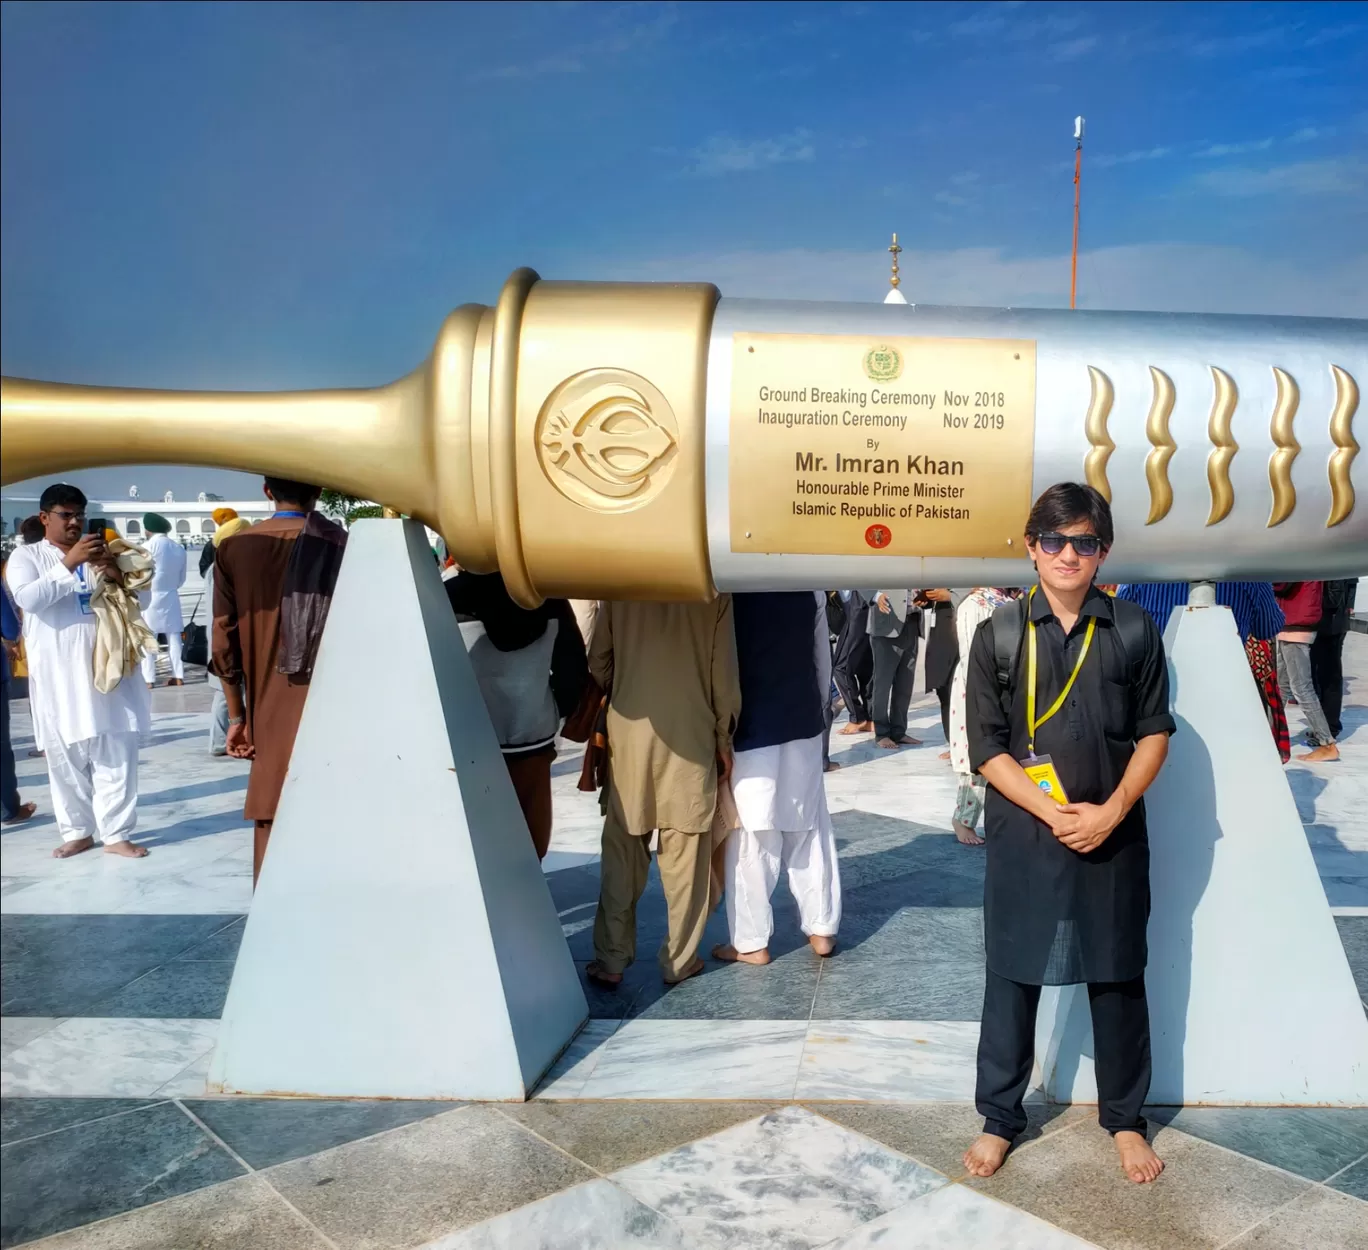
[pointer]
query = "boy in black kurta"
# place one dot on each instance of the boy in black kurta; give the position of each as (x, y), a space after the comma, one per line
(1067, 691)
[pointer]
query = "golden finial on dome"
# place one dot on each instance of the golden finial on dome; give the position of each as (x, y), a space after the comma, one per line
(895, 281)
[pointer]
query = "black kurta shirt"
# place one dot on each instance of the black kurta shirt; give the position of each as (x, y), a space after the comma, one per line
(1051, 915)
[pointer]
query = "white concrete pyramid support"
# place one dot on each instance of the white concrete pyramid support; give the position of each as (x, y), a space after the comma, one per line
(1251, 996)
(402, 942)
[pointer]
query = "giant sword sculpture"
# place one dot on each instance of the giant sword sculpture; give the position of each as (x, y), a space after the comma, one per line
(656, 440)
(659, 441)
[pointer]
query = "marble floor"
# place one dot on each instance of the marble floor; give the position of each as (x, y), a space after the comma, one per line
(808, 1104)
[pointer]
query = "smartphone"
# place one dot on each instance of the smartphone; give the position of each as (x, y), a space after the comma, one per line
(95, 525)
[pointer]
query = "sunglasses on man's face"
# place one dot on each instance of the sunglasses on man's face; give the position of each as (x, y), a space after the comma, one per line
(1086, 545)
(63, 514)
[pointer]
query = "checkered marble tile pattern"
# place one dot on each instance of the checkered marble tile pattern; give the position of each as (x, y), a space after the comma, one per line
(812, 1103)
(591, 1176)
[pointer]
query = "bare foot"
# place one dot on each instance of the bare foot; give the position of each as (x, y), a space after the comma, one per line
(831, 766)
(822, 944)
(944, 755)
(857, 727)
(600, 976)
(908, 741)
(74, 847)
(691, 971)
(24, 812)
(1322, 754)
(728, 954)
(985, 1156)
(129, 850)
(175, 681)
(1138, 1160)
(965, 835)
(888, 744)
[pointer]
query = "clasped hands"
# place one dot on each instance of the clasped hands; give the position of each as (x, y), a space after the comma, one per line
(1083, 827)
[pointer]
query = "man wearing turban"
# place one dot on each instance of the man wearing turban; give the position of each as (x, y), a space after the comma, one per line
(161, 601)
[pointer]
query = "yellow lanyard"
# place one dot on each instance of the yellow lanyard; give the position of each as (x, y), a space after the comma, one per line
(1031, 723)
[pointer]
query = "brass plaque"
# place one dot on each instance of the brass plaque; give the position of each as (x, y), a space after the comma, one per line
(845, 445)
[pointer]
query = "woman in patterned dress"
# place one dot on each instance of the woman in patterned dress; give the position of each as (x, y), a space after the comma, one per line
(972, 612)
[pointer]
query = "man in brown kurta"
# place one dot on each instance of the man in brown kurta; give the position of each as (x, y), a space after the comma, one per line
(249, 581)
(670, 670)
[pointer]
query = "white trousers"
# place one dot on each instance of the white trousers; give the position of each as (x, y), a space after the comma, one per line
(173, 653)
(754, 859)
(94, 786)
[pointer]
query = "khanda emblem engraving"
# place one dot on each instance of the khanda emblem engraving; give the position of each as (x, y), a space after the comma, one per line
(607, 439)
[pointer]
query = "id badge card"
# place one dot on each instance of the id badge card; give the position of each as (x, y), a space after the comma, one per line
(1041, 770)
(83, 593)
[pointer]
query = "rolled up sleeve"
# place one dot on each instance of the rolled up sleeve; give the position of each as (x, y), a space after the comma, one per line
(1150, 693)
(989, 730)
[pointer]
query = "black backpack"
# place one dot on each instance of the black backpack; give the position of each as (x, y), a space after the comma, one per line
(1008, 626)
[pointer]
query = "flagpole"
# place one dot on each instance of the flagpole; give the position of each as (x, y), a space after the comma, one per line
(1078, 178)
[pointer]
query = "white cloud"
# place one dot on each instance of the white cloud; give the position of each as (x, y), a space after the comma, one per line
(1235, 45)
(1334, 177)
(1130, 158)
(999, 21)
(1333, 34)
(962, 192)
(621, 34)
(1171, 277)
(1234, 149)
(1072, 49)
(724, 154)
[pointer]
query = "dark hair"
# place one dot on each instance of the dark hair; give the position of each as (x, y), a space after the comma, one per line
(61, 493)
(283, 490)
(1066, 503)
(31, 529)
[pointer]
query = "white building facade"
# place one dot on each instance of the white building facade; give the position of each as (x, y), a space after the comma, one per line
(192, 524)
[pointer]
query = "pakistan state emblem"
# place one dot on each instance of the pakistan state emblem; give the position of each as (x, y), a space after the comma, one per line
(883, 363)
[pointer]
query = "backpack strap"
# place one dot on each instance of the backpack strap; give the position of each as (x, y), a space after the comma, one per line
(1131, 623)
(1008, 625)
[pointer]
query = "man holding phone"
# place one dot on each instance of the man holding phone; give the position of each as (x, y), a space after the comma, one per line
(90, 738)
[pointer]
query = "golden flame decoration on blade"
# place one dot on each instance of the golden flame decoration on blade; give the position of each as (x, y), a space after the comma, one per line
(1095, 427)
(1157, 431)
(1346, 448)
(1280, 462)
(1218, 430)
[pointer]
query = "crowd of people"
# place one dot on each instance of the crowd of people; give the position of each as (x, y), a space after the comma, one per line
(708, 738)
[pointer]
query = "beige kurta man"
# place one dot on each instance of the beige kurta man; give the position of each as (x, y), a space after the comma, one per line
(670, 669)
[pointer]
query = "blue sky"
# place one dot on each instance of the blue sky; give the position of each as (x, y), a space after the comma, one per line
(276, 195)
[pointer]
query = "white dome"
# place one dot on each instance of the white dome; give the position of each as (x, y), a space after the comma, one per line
(894, 296)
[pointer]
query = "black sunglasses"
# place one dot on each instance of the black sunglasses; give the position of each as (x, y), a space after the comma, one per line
(1052, 543)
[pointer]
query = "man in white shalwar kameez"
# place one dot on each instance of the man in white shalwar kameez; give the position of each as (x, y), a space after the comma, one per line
(161, 600)
(783, 658)
(90, 739)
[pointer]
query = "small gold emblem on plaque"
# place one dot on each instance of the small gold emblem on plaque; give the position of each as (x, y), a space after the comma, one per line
(607, 439)
(883, 363)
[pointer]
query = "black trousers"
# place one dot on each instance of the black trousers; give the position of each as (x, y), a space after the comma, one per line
(852, 665)
(1327, 676)
(1121, 1050)
(9, 789)
(943, 694)
(895, 663)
